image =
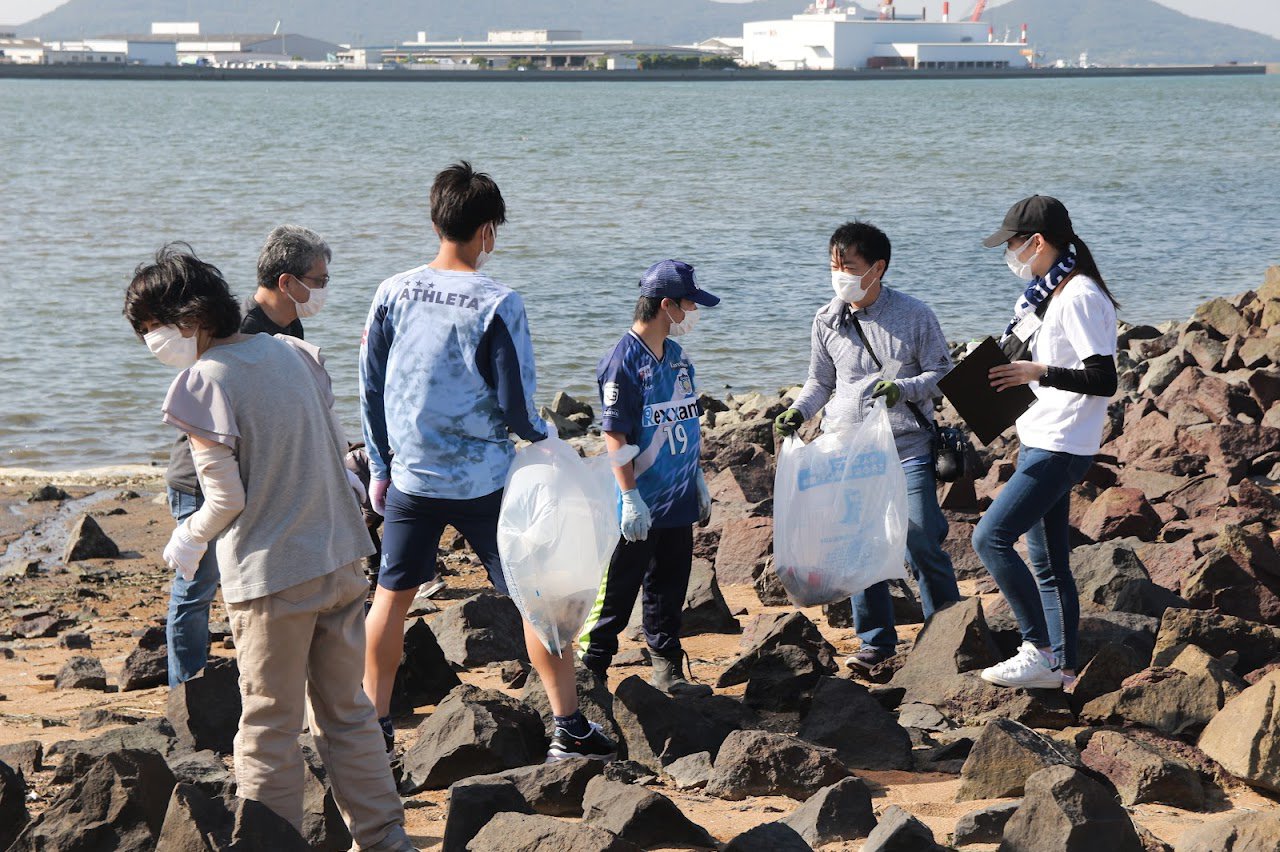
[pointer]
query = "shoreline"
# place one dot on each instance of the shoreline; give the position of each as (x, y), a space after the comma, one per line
(177, 73)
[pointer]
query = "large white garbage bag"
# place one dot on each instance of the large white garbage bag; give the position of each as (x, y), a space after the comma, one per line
(840, 512)
(556, 532)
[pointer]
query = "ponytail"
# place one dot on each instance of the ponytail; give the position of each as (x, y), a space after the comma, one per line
(1086, 265)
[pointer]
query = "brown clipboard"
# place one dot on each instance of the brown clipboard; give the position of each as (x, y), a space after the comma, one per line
(987, 412)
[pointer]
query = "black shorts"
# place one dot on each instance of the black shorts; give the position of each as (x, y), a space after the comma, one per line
(411, 532)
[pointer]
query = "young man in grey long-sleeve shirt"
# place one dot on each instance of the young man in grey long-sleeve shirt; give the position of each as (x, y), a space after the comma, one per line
(845, 377)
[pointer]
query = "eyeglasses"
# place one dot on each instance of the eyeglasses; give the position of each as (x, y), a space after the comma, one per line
(324, 280)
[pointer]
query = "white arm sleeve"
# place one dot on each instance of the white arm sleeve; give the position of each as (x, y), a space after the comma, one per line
(219, 475)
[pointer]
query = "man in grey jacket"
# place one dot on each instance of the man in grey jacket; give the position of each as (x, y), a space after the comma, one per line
(865, 327)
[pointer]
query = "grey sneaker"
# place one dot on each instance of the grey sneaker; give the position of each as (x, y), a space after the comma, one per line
(867, 659)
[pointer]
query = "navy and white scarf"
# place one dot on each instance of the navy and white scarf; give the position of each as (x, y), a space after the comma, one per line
(1040, 289)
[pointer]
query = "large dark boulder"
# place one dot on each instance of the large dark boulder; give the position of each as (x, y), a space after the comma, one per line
(424, 676)
(758, 763)
(79, 756)
(1065, 810)
(472, 803)
(1141, 773)
(844, 716)
(658, 729)
(197, 822)
(640, 816)
(705, 610)
(510, 832)
(472, 732)
(955, 640)
(322, 825)
(483, 629)
(1003, 756)
(772, 631)
(1110, 576)
(783, 679)
(13, 804)
(769, 837)
(554, 789)
(899, 831)
(118, 804)
(205, 710)
(836, 813)
(985, 825)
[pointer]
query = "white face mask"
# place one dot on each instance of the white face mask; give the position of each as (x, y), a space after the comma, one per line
(314, 302)
(170, 347)
(483, 256)
(1020, 268)
(851, 288)
(685, 325)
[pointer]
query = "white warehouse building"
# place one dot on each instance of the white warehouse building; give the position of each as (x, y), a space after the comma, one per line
(828, 40)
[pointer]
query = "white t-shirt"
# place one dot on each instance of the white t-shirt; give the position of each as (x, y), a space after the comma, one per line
(1080, 322)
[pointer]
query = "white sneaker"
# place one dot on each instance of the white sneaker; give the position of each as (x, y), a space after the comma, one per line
(1027, 669)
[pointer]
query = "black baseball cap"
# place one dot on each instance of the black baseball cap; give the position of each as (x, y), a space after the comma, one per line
(674, 279)
(1039, 214)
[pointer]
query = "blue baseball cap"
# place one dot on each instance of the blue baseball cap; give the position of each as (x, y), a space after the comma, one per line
(674, 279)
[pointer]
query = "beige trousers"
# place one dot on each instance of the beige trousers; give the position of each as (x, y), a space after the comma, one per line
(301, 653)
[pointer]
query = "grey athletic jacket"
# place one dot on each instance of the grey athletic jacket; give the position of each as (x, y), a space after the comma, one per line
(842, 373)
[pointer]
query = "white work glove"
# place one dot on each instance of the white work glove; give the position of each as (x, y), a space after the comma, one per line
(635, 516)
(183, 553)
(704, 499)
(378, 495)
(356, 485)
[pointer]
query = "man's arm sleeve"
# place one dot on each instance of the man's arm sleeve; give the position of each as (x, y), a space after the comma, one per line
(374, 351)
(506, 358)
(822, 377)
(935, 362)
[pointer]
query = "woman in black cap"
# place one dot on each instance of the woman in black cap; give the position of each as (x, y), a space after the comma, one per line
(1062, 342)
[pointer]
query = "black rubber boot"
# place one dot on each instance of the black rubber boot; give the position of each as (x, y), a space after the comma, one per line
(668, 675)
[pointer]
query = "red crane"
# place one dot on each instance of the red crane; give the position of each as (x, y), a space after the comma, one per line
(978, 10)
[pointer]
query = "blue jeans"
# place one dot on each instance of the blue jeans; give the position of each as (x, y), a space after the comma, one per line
(187, 629)
(1036, 502)
(926, 531)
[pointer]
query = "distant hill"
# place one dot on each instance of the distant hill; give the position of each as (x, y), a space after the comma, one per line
(1129, 32)
(391, 21)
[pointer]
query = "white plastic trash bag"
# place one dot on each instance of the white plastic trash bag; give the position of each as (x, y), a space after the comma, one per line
(840, 512)
(556, 532)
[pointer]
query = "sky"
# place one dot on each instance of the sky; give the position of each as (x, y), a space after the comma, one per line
(1260, 15)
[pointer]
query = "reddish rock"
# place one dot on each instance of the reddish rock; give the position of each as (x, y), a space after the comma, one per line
(1151, 437)
(1222, 317)
(1207, 394)
(745, 544)
(1168, 563)
(1120, 512)
(1265, 387)
(1204, 349)
(1231, 447)
(1200, 495)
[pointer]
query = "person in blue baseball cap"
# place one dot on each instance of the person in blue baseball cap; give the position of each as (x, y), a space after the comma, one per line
(651, 429)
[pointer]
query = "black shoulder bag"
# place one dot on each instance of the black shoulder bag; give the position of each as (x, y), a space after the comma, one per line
(949, 445)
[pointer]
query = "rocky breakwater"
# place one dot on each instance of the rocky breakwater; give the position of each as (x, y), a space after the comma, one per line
(1170, 736)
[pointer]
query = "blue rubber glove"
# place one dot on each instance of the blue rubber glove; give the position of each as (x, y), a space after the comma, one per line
(704, 499)
(636, 519)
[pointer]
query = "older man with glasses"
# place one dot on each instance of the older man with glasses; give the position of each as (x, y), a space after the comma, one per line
(293, 279)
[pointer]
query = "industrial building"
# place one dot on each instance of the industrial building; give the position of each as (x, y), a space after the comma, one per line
(530, 48)
(827, 38)
(20, 51)
(191, 47)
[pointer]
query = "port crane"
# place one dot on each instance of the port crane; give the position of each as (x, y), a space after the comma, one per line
(978, 10)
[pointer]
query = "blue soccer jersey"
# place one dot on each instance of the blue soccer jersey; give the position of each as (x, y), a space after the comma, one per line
(653, 403)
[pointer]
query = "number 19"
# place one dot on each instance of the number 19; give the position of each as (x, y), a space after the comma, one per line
(677, 433)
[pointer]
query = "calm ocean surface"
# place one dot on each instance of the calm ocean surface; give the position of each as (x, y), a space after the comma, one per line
(1174, 183)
